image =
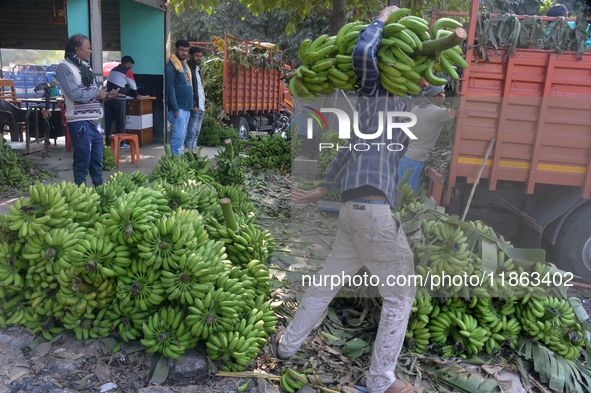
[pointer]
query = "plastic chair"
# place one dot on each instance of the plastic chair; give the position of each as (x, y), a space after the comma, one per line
(8, 91)
(134, 146)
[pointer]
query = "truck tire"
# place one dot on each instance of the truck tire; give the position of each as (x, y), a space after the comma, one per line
(573, 245)
(243, 129)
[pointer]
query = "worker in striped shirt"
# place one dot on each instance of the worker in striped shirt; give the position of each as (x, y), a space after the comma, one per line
(368, 234)
(120, 78)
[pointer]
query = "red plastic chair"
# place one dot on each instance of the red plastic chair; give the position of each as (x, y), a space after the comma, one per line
(134, 146)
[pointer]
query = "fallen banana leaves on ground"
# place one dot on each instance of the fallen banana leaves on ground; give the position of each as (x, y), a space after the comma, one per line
(502, 322)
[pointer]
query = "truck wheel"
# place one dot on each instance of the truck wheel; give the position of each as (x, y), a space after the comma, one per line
(243, 129)
(573, 246)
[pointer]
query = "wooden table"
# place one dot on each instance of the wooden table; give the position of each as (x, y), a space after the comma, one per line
(139, 120)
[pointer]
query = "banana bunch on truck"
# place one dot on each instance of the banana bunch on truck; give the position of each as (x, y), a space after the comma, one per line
(409, 50)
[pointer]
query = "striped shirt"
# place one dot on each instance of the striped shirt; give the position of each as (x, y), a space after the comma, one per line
(375, 167)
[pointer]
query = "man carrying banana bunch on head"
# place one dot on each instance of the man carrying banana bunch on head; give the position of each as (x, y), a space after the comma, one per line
(368, 234)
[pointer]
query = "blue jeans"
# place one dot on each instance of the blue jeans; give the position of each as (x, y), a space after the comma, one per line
(193, 129)
(414, 181)
(87, 140)
(179, 130)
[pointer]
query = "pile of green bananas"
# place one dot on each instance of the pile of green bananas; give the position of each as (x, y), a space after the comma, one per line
(172, 168)
(269, 152)
(230, 170)
(461, 320)
(136, 258)
(409, 50)
(200, 164)
(291, 380)
(108, 159)
(12, 175)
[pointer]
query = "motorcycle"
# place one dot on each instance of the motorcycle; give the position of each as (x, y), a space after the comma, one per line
(282, 122)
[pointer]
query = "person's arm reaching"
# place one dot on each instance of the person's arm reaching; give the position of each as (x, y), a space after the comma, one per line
(331, 180)
(365, 59)
(66, 80)
(132, 87)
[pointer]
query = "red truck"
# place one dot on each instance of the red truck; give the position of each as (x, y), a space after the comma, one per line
(536, 182)
(255, 99)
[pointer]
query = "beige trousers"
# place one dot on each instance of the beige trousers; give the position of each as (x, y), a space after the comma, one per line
(368, 235)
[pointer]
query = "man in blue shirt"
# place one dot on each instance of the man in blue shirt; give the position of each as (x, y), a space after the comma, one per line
(368, 234)
(561, 10)
(179, 94)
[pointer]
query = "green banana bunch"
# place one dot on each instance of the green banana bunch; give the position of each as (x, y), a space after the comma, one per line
(200, 164)
(44, 303)
(291, 380)
(108, 193)
(462, 329)
(167, 333)
(178, 196)
(12, 173)
(235, 348)
(34, 216)
(12, 265)
(128, 320)
(13, 310)
(46, 327)
(108, 159)
(417, 333)
(241, 202)
(183, 283)
(124, 180)
(82, 201)
(74, 294)
(244, 245)
(173, 169)
(140, 179)
(207, 197)
(53, 252)
(495, 312)
(97, 258)
(230, 170)
(269, 318)
(409, 193)
(131, 216)
(217, 312)
(140, 287)
(269, 152)
(92, 325)
(163, 245)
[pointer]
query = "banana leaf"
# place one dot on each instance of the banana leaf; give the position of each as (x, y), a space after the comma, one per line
(464, 381)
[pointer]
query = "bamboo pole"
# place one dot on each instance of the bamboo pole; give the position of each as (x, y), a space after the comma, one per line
(490, 146)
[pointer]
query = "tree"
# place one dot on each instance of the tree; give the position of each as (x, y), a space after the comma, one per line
(334, 10)
(233, 17)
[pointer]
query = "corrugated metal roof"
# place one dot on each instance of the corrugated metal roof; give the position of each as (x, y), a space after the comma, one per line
(25, 24)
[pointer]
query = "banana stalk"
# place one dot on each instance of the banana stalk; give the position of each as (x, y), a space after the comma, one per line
(434, 47)
(226, 205)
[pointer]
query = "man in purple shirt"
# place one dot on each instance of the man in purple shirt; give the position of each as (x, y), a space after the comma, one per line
(368, 234)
